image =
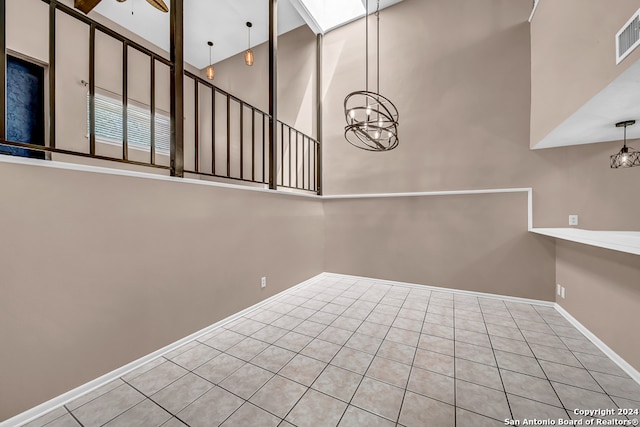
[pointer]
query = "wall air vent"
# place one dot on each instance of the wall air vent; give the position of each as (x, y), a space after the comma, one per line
(628, 38)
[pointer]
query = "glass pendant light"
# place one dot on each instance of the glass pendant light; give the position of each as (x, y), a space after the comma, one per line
(627, 157)
(210, 71)
(248, 54)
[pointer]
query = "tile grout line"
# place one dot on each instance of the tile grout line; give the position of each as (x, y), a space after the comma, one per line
(605, 392)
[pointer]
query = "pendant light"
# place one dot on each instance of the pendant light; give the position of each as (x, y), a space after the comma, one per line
(372, 119)
(248, 55)
(210, 71)
(627, 157)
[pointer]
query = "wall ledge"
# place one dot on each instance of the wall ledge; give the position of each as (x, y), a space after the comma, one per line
(622, 241)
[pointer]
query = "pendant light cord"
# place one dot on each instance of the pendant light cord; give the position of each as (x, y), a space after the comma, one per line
(366, 54)
(378, 46)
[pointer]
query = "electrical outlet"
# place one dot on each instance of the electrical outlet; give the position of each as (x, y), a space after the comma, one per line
(562, 292)
(573, 219)
(558, 289)
(263, 282)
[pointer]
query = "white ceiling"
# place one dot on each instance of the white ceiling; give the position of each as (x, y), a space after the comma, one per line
(221, 21)
(595, 121)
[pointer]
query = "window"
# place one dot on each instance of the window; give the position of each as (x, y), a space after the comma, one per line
(25, 107)
(109, 124)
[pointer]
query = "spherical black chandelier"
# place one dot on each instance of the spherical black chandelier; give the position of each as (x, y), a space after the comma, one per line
(372, 119)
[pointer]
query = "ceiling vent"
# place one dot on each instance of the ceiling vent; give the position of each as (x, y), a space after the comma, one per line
(628, 38)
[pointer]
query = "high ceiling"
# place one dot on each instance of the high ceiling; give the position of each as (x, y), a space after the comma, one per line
(223, 22)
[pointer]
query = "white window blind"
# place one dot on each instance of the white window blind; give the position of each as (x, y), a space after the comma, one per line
(108, 111)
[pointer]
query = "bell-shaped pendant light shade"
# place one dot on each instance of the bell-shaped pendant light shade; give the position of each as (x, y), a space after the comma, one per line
(210, 71)
(248, 54)
(627, 157)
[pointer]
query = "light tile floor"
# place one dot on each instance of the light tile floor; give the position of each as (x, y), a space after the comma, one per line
(339, 352)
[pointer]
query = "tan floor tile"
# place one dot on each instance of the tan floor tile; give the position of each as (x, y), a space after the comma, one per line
(273, 358)
(511, 346)
(64, 421)
(437, 330)
(573, 398)
(316, 410)
(436, 344)
(467, 418)
(310, 328)
(321, 350)
(577, 377)
(482, 400)
(470, 337)
(398, 352)
(436, 362)
(251, 415)
(389, 371)
(373, 329)
(475, 353)
(379, 397)
(431, 384)
(225, 340)
(478, 373)
(211, 409)
(270, 334)
(353, 360)
(303, 369)
(356, 417)
(177, 395)
(146, 414)
(530, 387)
(108, 406)
(364, 343)
(48, 417)
(76, 403)
(617, 386)
(294, 341)
(525, 408)
(419, 411)
(278, 395)
(246, 381)
(247, 349)
(219, 368)
(403, 336)
(335, 335)
(517, 363)
(195, 356)
(337, 382)
(553, 354)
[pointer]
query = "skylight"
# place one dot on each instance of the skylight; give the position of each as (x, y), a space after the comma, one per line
(330, 14)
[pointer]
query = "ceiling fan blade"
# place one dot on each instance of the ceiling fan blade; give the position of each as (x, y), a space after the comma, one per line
(85, 6)
(159, 4)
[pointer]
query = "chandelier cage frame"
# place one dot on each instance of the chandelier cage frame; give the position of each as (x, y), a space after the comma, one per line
(627, 157)
(372, 119)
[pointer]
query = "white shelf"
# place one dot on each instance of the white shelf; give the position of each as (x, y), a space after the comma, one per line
(623, 241)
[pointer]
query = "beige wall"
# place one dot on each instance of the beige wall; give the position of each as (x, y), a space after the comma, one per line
(573, 56)
(473, 242)
(602, 293)
(464, 102)
(98, 270)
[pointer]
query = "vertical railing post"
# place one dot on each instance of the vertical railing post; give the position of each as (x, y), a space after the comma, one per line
(273, 93)
(52, 74)
(176, 24)
(125, 101)
(319, 113)
(3, 69)
(92, 89)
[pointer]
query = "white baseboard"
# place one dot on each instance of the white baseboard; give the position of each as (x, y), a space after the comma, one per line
(67, 397)
(451, 290)
(623, 364)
